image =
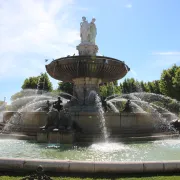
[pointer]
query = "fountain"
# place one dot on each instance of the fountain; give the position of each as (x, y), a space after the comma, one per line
(87, 119)
(116, 117)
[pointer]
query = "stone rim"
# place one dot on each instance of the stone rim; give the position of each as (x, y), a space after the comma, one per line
(68, 68)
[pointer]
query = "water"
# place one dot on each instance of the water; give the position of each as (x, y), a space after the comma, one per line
(101, 117)
(147, 102)
(29, 101)
(2, 108)
(136, 151)
(29, 98)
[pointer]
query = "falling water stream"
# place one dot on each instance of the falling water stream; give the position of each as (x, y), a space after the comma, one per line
(101, 117)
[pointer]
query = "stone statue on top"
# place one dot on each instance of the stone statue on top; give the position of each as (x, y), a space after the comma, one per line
(88, 31)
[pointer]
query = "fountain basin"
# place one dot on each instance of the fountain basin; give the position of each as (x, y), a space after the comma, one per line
(105, 68)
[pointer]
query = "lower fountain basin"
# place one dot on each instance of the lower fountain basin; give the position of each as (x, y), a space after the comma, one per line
(160, 150)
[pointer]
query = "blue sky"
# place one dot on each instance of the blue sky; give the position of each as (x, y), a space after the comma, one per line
(143, 33)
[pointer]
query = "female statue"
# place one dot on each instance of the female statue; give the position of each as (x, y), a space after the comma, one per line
(84, 30)
(93, 31)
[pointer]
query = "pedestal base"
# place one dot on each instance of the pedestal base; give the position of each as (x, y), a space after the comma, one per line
(87, 49)
(85, 90)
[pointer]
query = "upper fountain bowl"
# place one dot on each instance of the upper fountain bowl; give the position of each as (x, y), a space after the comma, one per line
(68, 68)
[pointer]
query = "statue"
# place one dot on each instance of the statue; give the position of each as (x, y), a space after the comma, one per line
(47, 107)
(176, 124)
(93, 31)
(57, 104)
(104, 103)
(52, 120)
(127, 106)
(84, 30)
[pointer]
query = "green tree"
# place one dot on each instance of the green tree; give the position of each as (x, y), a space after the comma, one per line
(176, 83)
(109, 89)
(150, 87)
(66, 87)
(144, 87)
(103, 91)
(1, 103)
(129, 86)
(156, 88)
(169, 82)
(41, 82)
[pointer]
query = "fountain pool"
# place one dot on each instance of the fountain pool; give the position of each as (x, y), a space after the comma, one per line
(159, 150)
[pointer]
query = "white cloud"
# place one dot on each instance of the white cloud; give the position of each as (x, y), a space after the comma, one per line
(165, 59)
(166, 53)
(31, 31)
(128, 5)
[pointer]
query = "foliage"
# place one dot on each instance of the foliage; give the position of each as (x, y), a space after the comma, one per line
(1, 103)
(66, 87)
(170, 82)
(41, 82)
(129, 86)
(109, 89)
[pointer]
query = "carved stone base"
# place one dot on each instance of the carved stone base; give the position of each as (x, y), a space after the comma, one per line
(87, 49)
(85, 90)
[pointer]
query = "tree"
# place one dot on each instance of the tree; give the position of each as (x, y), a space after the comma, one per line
(150, 87)
(1, 103)
(144, 87)
(155, 87)
(41, 82)
(129, 86)
(110, 89)
(169, 82)
(176, 83)
(66, 87)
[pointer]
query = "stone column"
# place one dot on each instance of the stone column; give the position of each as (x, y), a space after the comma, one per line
(85, 89)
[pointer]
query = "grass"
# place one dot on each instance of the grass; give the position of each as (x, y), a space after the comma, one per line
(169, 177)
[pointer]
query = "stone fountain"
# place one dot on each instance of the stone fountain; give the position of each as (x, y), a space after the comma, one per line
(87, 70)
(88, 121)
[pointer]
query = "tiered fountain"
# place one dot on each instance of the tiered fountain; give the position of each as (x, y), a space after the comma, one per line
(89, 122)
(87, 71)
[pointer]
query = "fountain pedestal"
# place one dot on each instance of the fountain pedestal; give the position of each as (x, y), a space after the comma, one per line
(87, 49)
(85, 89)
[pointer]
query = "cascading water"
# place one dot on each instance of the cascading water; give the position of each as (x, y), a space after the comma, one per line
(93, 94)
(29, 102)
(101, 117)
(148, 103)
(2, 108)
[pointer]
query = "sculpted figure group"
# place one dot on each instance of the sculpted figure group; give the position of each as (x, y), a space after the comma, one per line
(88, 31)
(58, 117)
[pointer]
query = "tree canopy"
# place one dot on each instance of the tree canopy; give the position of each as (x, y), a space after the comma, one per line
(170, 82)
(41, 82)
(66, 87)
